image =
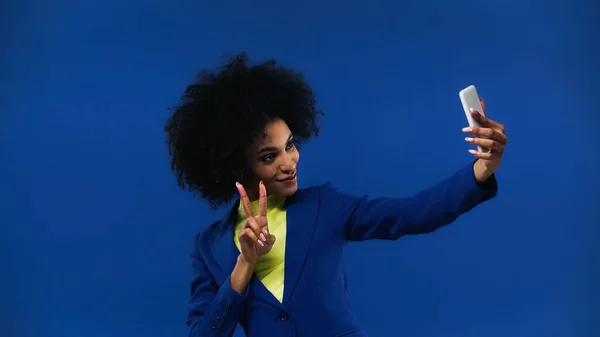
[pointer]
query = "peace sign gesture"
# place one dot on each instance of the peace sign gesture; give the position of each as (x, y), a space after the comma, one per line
(255, 239)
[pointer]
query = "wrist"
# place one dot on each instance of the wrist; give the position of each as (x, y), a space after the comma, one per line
(241, 274)
(481, 171)
(244, 264)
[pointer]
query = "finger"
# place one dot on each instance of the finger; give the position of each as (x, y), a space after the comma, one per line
(252, 224)
(244, 200)
(248, 234)
(262, 200)
(483, 106)
(486, 143)
(265, 228)
(483, 155)
(263, 224)
(486, 122)
(488, 133)
(270, 240)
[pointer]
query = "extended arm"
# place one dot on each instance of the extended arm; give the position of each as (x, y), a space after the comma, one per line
(391, 218)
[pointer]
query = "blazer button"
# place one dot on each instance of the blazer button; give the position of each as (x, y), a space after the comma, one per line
(284, 318)
(224, 306)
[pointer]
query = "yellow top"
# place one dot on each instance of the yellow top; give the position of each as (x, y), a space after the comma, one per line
(269, 267)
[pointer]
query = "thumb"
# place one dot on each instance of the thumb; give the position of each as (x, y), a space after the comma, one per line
(270, 240)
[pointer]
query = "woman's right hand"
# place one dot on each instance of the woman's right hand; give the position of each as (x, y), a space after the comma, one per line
(255, 239)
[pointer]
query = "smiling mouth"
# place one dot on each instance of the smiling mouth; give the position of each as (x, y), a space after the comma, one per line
(288, 179)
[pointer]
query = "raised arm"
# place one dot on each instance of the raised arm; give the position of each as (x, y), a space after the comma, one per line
(391, 218)
(215, 311)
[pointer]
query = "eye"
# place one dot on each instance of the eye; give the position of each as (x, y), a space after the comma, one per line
(289, 145)
(268, 158)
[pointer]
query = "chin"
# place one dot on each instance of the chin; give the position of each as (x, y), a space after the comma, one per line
(285, 191)
(291, 191)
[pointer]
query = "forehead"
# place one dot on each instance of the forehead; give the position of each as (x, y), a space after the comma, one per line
(276, 133)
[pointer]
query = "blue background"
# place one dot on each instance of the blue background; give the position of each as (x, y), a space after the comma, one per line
(95, 234)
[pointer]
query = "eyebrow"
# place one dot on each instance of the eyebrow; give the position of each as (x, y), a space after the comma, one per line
(273, 148)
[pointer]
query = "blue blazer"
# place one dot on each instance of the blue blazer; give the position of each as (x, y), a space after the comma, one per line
(321, 220)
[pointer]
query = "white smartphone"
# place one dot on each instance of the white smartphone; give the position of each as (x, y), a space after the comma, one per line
(470, 99)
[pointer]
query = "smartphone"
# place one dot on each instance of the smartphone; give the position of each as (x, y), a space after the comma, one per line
(470, 99)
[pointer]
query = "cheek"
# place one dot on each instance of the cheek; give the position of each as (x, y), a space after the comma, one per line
(264, 172)
(296, 156)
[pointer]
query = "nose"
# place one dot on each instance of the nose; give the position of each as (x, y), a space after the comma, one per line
(288, 163)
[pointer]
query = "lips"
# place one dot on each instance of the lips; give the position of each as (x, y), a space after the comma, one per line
(290, 178)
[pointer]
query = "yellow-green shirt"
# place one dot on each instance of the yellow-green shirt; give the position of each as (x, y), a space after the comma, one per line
(269, 267)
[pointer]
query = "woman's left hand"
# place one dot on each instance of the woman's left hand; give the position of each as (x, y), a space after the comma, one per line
(489, 161)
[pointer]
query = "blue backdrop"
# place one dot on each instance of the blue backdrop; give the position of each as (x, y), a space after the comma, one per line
(95, 234)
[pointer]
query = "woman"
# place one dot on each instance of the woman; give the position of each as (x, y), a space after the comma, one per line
(274, 262)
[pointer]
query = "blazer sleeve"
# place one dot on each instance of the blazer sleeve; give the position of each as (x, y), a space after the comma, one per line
(437, 206)
(212, 310)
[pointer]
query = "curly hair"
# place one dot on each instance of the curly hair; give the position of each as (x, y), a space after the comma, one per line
(222, 113)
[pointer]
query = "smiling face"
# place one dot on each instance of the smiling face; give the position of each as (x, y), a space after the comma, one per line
(273, 160)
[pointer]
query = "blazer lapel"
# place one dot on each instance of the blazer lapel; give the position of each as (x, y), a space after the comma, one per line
(301, 218)
(223, 247)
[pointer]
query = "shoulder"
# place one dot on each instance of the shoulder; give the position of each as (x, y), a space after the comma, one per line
(323, 188)
(312, 194)
(313, 189)
(330, 195)
(202, 237)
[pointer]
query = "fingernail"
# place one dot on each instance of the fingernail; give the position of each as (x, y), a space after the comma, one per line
(467, 129)
(237, 184)
(261, 182)
(262, 237)
(261, 243)
(469, 139)
(471, 151)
